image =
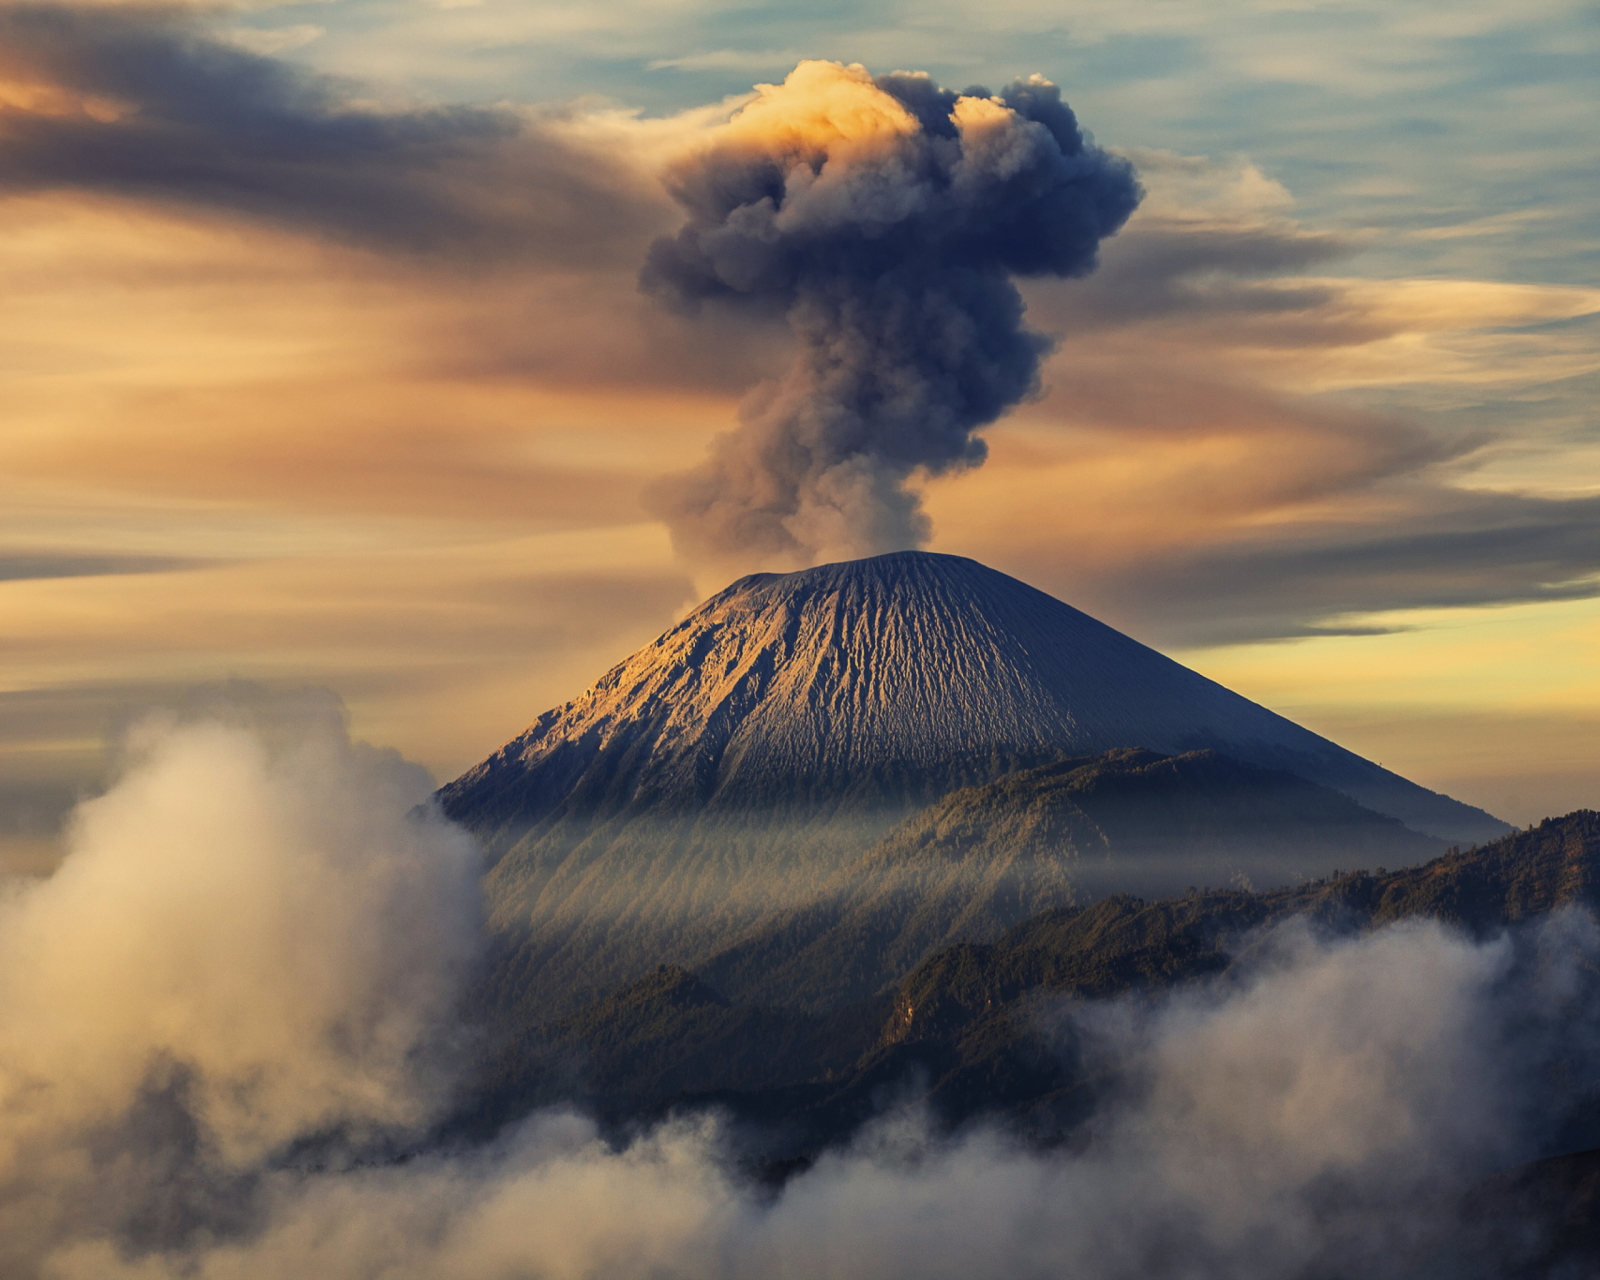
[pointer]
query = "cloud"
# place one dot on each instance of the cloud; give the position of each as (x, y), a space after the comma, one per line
(726, 59)
(143, 103)
(270, 40)
(252, 940)
(1209, 239)
(18, 565)
(885, 220)
(1525, 765)
(1280, 522)
(1320, 1112)
(1237, 446)
(1467, 549)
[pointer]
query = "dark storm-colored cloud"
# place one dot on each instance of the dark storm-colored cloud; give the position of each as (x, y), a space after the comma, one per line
(1168, 273)
(142, 103)
(20, 566)
(1453, 549)
(1215, 240)
(885, 219)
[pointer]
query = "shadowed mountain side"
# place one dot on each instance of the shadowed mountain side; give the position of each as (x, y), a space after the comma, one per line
(984, 858)
(1125, 942)
(596, 903)
(625, 895)
(971, 1031)
(1544, 1216)
(665, 1036)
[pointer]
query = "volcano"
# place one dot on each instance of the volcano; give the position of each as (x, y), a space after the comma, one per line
(748, 754)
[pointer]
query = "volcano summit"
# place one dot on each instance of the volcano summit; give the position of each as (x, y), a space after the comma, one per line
(769, 739)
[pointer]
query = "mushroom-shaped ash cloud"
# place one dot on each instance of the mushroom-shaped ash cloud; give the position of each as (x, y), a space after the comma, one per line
(884, 218)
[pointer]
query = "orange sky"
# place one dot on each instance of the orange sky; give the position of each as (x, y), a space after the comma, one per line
(242, 443)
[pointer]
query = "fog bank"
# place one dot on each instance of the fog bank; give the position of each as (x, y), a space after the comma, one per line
(255, 943)
(249, 941)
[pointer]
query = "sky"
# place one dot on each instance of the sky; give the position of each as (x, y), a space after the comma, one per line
(326, 361)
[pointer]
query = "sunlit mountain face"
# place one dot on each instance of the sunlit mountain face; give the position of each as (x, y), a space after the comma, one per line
(741, 763)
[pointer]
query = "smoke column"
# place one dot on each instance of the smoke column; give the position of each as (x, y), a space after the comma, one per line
(884, 218)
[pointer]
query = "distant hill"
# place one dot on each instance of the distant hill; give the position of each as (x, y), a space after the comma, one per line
(1063, 834)
(958, 1031)
(734, 765)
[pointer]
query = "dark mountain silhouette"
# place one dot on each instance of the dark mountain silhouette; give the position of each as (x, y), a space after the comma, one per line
(733, 767)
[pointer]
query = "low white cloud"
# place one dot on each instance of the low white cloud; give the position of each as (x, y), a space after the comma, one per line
(253, 938)
(259, 910)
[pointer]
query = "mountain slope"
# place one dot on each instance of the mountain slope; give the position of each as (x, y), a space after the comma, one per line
(881, 680)
(731, 767)
(984, 858)
(960, 1031)
(1125, 942)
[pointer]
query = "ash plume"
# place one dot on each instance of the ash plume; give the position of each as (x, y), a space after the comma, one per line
(884, 218)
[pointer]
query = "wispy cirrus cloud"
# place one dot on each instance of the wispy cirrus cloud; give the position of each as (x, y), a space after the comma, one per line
(19, 565)
(147, 105)
(270, 40)
(728, 59)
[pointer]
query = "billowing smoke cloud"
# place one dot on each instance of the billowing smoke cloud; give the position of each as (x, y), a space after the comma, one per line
(885, 218)
(250, 942)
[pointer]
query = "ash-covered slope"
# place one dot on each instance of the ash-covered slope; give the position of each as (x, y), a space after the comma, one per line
(732, 767)
(885, 681)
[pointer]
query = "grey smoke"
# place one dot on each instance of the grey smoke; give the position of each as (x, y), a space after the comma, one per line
(885, 219)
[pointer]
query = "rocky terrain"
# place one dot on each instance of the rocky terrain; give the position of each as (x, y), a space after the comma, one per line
(727, 773)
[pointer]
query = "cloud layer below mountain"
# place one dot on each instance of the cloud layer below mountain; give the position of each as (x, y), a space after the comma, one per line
(249, 942)
(252, 948)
